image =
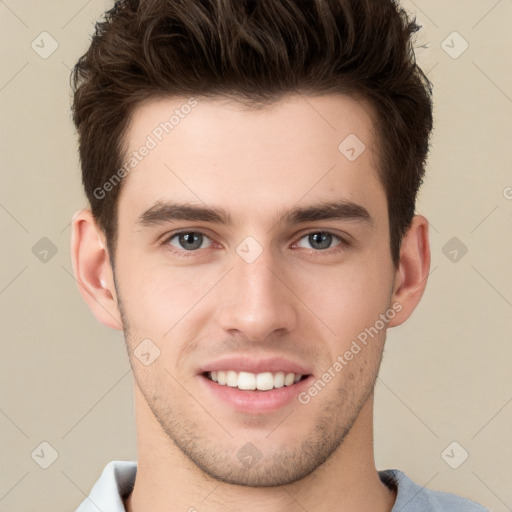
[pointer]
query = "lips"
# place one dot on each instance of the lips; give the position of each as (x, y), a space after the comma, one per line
(255, 366)
(254, 386)
(251, 401)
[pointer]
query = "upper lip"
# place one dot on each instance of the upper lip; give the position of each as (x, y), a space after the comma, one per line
(253, 365)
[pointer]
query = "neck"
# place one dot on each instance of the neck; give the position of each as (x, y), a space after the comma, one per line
(167, 480)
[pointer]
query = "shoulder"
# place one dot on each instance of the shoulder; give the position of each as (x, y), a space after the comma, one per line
(411, 497)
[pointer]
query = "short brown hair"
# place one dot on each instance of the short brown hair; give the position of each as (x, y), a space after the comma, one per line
(254, 51)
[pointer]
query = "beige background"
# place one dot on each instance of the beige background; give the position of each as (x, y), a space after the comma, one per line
(66, 380)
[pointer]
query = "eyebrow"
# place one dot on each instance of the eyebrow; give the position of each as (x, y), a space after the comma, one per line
(166, 211)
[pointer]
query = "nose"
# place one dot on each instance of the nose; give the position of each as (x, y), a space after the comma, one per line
(257, 300)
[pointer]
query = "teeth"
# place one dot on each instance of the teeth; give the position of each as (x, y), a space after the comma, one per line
(251, 381)
(232, 379)
(289, 379)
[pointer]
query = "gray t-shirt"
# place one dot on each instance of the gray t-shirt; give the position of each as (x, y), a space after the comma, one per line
(118, 478)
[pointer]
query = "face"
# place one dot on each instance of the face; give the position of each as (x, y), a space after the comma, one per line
(252, 247)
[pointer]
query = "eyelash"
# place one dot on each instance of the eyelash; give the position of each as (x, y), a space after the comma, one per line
(343, 245)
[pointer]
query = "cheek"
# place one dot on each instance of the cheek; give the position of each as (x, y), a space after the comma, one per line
(155, 300)
(348, 300)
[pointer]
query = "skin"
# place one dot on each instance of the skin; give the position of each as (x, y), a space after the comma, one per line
(295, 301)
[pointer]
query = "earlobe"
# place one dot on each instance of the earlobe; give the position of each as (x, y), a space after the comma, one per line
(92, 270)
(412, 273)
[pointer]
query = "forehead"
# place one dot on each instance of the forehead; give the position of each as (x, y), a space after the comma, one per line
(220, 152)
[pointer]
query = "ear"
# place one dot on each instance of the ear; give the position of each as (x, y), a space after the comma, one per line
(92, 269)
(413, 269)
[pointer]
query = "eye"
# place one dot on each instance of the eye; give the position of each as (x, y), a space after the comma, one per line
(321, 240)
(191, 241)
(188, 240)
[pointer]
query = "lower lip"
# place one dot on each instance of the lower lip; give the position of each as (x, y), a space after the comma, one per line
(256, 402)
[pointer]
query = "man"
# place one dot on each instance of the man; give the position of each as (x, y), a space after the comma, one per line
(252, 170)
